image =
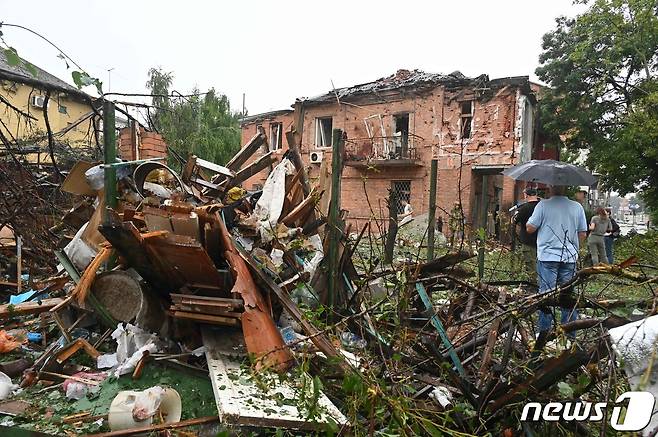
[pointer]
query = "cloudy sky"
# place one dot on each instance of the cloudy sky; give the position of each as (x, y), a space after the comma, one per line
(274, 51)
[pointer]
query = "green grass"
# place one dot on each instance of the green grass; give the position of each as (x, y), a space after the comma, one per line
(47, 409)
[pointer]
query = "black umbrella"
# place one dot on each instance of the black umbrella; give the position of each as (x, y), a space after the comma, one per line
(550, 172)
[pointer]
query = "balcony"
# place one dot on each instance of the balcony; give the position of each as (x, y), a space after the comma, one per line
(392, 151)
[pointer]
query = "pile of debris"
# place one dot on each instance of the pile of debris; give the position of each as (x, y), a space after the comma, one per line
(190, 270)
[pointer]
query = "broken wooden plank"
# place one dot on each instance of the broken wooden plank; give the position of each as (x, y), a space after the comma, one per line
(160, 427)
(82, 288)
(215, 168)
(235, 390)
(69, 350)
(302, 210)
(493, 335)
(245, 153)
(294, 144)
(25, 308)
(318, 339)
(206, 318)
(229, 303)
(254, 168)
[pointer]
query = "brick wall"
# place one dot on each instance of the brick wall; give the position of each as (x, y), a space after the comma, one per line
(434, 122)
(149, 144)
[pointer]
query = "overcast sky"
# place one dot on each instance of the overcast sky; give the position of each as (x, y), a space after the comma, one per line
(275, 51)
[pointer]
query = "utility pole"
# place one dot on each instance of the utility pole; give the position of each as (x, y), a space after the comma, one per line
(431, 219)
(109, 79)
(333, 220)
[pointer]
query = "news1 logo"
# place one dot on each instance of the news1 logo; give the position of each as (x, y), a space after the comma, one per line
(638, 411)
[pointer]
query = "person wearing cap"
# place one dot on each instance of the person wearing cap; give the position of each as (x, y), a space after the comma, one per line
(528, 241)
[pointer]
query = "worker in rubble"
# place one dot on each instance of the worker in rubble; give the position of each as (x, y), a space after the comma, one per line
(528, 241)
(561, 226)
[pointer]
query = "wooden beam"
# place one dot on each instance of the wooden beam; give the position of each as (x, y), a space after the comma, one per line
(260, 164)
(491, 338)
(161, 427)
(9, 310)
(294, 138)
(333, 229)
(245, 153)
(206, 318)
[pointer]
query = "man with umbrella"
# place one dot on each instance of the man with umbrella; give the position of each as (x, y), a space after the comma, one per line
(560, 225)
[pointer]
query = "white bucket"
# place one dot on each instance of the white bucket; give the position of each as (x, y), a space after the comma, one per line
(121, 410)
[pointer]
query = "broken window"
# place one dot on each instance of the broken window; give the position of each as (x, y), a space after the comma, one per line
(62, 109)
(402, 191)
(401, 125)
(466, 120)
(276, 132)
(323, 128)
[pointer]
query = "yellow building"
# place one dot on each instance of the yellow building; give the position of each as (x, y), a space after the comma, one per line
(22, 98)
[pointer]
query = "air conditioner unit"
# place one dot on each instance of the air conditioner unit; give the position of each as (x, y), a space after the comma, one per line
(38, 101)
(316, 157)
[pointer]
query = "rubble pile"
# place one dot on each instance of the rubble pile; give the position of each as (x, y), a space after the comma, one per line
(188, 271)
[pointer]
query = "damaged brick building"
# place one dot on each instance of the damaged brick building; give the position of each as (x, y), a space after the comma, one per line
(395, 126)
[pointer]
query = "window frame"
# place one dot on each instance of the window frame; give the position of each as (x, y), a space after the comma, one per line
(407, 193)
(319, 131)
(277, 144)
(463, 116)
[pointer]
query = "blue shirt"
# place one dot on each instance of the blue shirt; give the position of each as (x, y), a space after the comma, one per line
(558, 221)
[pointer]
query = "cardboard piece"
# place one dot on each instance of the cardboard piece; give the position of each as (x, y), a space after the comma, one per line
(91, 236)
(76, 182)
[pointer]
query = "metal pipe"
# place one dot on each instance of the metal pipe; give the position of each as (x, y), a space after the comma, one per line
(110, 156)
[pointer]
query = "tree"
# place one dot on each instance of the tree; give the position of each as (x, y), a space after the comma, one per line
(201, 125)
(603, 98)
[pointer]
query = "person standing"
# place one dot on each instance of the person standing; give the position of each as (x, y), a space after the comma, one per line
(561, 226)
(528, 241)
(598, 227)
(407, 210)
(611, 236)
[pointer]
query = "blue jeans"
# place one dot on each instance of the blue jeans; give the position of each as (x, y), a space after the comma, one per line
(549, 275)
(609, 242)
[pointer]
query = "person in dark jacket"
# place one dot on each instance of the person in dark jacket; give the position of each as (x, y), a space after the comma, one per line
(610, 237)
(528, 241)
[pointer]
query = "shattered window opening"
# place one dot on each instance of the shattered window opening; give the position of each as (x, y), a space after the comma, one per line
(466, 120)
(402, 191)
(323, 130)
(276, 130)
(401, 126)
(62, 109)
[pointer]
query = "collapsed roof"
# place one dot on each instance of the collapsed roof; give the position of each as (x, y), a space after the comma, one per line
(401, 81)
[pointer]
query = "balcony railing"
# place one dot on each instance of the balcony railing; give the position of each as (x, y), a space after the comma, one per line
(392, 150)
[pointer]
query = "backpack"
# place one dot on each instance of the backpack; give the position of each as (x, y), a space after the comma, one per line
(616, 231)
